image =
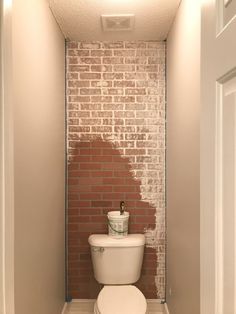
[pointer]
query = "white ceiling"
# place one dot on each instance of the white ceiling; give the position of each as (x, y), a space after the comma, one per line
(81, 19)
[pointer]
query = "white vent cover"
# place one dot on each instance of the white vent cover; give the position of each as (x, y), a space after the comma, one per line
(120, 22)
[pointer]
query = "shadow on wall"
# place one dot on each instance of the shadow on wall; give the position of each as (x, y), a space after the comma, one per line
(98, 179)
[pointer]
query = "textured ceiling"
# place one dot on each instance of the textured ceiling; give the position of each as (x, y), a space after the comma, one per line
(81, 19)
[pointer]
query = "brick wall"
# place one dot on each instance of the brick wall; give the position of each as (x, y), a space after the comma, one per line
(116, 151)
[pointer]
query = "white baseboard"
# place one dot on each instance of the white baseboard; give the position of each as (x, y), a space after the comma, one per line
(166, 308)
(64, 310)
(155, 304)
(83, 300)
(157, 301)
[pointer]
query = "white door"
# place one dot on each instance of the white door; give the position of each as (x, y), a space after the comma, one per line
(6, 164)
(218, 157)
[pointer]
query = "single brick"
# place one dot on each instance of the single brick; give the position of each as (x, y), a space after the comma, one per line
(79, 114)
(91, 106)
(78, 68)
(90, 166)
(95, 45)
(135, 76)
(125, 129)
(102, 114)
(124, 53)
(113, 45)
(113, 106)
(113, 91)
(125, 99)
(113, 196)
(156, 44)
(90, 196)
(101, 83)
(114, 181)
(135, 91)
(124, 84)
(79, 99)
(113, 60)
(124, 114)
(135, 152)
(101, 203)
(87, 60)
(90, 91)
(76, 52)
(134, 121)
(147, 99)
(79, 129)
(113, 76)
(146, 68)
(135, 45)
(90, 121)
(136, 60)
(146, 53)
(78, 83)
(101, 53)
(124, 188)
(102, 188)
(101, 129)
(101, 99)
(101, 68)
(124, 68)
(90, 76)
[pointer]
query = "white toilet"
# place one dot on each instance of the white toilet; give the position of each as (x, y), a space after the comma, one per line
(117, 265)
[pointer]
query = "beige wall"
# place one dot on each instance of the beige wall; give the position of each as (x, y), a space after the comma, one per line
(38, 82)
(183, 210)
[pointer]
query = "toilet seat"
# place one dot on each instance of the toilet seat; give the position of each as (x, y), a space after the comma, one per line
(120, 300)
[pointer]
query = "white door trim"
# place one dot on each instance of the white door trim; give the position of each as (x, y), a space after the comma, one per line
(7, 305)
(218, 67)
(218, 200)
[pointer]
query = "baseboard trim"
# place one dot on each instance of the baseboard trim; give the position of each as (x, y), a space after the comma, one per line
(154, 304)
(64, 310)
(166, 308)
(82, 300)
(158, 301)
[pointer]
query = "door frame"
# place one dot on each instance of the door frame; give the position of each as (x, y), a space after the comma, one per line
(217, 66)
(7, 305)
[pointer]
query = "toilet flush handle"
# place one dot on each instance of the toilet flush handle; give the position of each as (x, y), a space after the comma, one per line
(98, 249)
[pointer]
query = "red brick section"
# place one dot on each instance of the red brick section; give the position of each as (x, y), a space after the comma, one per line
(116, 149)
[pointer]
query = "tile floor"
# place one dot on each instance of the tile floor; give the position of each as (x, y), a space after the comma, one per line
(86, 307)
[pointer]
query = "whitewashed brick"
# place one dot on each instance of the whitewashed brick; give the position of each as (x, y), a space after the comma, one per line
(116, 93)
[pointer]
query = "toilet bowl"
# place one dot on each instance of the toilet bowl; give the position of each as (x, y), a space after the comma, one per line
(117, 264)
(125, 299)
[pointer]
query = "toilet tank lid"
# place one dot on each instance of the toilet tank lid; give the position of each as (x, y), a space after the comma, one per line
(104, 240)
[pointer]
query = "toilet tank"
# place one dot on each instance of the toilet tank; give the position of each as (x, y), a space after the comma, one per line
(117, 261)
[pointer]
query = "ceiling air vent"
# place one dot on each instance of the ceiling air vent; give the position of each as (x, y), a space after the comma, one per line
(121, 22)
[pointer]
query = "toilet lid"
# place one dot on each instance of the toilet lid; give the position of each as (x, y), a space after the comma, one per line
(121, 300)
